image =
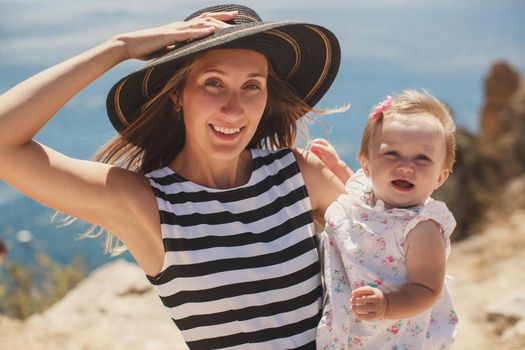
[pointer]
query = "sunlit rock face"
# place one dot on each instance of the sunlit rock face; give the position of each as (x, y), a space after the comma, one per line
(487, 163)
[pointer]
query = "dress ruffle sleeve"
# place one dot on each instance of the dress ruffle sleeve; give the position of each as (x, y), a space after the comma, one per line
(438, 212)
(357, 183)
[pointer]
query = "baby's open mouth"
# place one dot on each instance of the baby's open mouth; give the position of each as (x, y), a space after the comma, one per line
(402, 185)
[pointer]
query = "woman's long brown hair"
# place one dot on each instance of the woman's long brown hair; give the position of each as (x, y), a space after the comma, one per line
(157, 134)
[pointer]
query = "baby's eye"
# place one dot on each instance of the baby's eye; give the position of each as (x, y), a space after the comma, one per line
(391, 154)
(423, 158)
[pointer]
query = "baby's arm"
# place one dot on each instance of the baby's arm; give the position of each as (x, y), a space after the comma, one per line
(328, 155)
(425, 259)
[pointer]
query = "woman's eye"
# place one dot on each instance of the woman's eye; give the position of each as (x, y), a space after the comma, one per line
(252, 86)
(213, 83)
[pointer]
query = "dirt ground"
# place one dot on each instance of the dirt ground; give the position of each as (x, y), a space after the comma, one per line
(486, 268)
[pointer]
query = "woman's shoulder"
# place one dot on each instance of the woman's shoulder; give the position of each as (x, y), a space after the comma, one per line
(134, 203)
(130, 185)
(270, 161)
(158, 173)
(311, 167)
(271, 154)
(322, 185)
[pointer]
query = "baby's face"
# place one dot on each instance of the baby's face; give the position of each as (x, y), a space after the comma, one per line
(406, 158)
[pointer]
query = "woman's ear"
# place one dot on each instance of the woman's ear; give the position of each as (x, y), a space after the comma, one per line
(174, 98)
(176, 101)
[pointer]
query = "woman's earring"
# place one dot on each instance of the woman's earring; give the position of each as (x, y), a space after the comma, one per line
(177, 113)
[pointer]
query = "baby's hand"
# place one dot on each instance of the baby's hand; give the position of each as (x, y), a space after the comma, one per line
(325, 151)
(369, 303)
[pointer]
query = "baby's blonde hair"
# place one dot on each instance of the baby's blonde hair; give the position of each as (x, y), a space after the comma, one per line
(414, 102)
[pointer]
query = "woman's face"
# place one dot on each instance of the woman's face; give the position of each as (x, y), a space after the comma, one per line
(223, 101)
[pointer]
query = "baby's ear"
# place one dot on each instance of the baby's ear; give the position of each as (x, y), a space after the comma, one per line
(364, 165)
(443, 176)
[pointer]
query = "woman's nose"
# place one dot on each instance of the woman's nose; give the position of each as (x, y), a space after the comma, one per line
(232, 104)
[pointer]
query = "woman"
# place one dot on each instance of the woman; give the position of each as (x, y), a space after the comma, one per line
(222, 227)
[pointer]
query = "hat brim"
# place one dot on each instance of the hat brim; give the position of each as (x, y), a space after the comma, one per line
(306, 56)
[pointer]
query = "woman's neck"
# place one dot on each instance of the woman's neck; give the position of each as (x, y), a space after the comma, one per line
(214, 173)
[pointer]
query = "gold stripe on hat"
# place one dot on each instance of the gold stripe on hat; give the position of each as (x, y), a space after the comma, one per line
(145, 83)
(328, 60)
(293, 44)
(120, 115)
(249, 17)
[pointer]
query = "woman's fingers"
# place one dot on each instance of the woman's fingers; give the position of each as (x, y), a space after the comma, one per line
(152, 42)
(198, 27)
(221, 16)
(213, 19)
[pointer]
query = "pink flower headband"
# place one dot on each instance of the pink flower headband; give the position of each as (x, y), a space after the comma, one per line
(378, 110)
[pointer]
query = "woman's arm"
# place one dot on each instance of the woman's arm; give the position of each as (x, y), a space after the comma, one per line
(75, 187)
(425, 259)
(323, 185)
(99, 193)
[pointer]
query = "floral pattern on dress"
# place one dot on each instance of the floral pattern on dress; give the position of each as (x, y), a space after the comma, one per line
(453, 317)
(365, 243)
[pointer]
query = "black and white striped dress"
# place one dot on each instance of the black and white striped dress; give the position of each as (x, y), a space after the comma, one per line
(241, 269)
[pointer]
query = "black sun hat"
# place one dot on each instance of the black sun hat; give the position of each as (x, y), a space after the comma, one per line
(307, 56)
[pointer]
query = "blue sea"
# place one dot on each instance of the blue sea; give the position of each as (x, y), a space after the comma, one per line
(445, 47)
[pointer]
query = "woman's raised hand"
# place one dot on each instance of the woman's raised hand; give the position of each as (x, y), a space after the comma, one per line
(149, 43)
(28, 106)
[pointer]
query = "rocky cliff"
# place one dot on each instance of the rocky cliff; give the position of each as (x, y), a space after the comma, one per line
(115, 308)
(488, 162)
(501, 85)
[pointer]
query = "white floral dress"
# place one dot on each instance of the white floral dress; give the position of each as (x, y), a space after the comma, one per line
(363, 245)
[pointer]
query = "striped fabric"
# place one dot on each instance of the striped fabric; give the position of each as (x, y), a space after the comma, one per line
(241, 269)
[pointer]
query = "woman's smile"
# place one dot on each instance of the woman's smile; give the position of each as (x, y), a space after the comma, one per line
(226, 133)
